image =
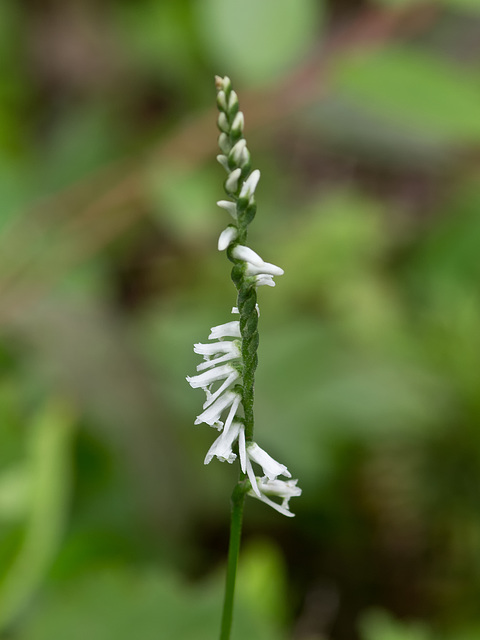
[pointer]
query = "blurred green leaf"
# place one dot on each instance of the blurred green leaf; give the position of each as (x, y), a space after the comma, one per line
(257, 41)
(379, 625)
(48, 462)
(415, 88)
(124, 604)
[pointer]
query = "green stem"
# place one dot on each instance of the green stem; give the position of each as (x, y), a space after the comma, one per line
(237, 501)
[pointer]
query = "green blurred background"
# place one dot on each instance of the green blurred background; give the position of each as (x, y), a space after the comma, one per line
(364, 119)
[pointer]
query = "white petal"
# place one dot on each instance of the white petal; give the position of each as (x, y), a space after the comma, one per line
(238, 123)
(212, 348)
(278, 507)
(221, 100)
(213, 363)
(224, 143)
(227, 236)
(232, 412)
(211, 416)
(271, 468)
(264, 279)
(232, 100)
(285, 489)
(223, 123)
(250, 184)
(229, 329)
(231, 184)
(207, 377)
(222, 447)
(237, 151)
(252, 478)
(221, 159)
(231, 207)
(211, 397)
(242, 450)
(255, 264)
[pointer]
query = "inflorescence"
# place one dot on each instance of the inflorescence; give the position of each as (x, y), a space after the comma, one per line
(230, 358)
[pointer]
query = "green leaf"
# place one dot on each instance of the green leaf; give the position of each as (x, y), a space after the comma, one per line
(48, 464)
(121, 604)
(257, 41)
(378, 625)
(413, 88)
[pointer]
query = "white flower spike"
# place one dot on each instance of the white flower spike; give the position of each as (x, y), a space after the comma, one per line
(226, 374)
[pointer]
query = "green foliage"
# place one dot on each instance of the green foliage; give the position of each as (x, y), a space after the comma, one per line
(415, 88)
(257, 41)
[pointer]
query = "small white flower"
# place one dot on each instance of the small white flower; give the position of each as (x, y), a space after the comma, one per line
(205, 379)
(232, 100)
(239, 153)
(212, 362)
(227, 236)
(211, 397)
(223, 160)
(229, 329)
(231, 207)
(221, 100)
(250, 184)
(284, 489)
(211, 416)
(222, 447)
(271, 468)
(224, 143)
(238, 123)
(264, 279)
(212, 348)
(223, 122)
(255, 265)
(231, 183)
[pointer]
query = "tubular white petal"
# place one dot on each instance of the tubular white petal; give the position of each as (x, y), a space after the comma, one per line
(253, 480)
(232, 100)
(250, 184)
(227, 236)
(255, 264)
(221, 159)
(242, 450)
(265, 269)
(229, 329)
(222, 447)
(224, 143)
(271, 468)
(221, 100)
(223, 123)
(212, 348)
(207, 377)
(211, 397)
(278, 507)
(231, 207)
(237, 150)
(232, 412)
(211, 416)
(248, 255)
(231, 183)
(238, 123)
(213, 363)
(264, 279)
(285, 489)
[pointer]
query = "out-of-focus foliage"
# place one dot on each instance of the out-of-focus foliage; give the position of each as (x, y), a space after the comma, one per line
(363, 119)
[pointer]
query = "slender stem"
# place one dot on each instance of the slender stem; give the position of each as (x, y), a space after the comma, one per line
(237, 501)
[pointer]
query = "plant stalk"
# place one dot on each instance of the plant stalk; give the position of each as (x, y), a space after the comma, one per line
(237, 502)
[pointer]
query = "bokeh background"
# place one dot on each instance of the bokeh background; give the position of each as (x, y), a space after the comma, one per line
(364, 119)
